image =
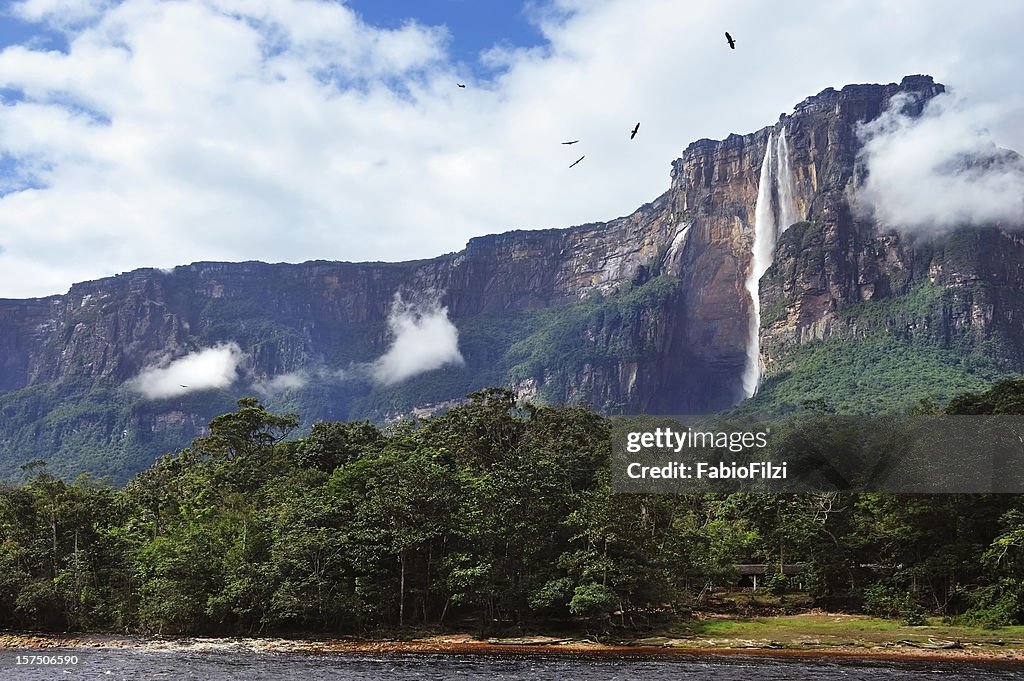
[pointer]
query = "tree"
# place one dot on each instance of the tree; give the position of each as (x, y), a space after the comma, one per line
(249, 431)
(332, 444)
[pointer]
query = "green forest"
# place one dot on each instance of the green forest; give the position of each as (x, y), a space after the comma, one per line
(496, 515)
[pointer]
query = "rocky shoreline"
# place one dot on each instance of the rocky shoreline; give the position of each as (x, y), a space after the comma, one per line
(465, 644)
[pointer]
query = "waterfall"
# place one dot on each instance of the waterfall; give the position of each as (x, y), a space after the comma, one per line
(774, 211)
(760, 257)
(784, 182)
(678, 242)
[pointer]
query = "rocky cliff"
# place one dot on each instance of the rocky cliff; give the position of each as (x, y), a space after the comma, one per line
(643, 313)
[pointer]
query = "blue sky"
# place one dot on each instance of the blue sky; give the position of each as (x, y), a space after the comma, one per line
(17, 31)
(153, 133)
(474, 25)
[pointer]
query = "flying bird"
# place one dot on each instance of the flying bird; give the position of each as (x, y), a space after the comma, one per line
(728, 39)
(633, 134)
(573, 142)
(183, 386)
(460, 85)
(578, 160)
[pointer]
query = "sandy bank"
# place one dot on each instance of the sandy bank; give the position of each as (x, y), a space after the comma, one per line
(464, 644)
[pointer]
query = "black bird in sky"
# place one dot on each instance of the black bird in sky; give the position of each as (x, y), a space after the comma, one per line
(183, 386)
(578, 160)
(633, 134)
(573, 142)
(728, 39)
(460, 85)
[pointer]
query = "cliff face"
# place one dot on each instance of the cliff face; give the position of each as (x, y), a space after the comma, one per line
(643, 313)
(111, 328)
(714, 191)
(836, 259)
(25, 324)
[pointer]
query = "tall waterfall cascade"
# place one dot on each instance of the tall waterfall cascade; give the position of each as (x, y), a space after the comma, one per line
(774, 211)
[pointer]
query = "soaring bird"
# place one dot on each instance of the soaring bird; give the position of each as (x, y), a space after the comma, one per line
(573, 142)
(633, 134)
(728, 39)
(578, 160)
(183, 386)
(460, 85)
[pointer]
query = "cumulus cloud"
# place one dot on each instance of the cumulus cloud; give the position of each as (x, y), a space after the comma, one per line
(295, 130)
(210, 368)
(940, 170)
(422, 339)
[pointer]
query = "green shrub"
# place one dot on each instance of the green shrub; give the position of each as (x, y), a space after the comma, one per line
(591, 599)
(883, 600)
(996, 605)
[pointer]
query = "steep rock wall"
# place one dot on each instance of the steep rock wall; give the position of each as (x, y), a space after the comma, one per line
(681, 351)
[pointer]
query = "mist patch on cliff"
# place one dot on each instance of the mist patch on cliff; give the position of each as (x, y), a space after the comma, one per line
(294, 380)
(940, 170)
(207, 369)
(423, 338)
(297, 380)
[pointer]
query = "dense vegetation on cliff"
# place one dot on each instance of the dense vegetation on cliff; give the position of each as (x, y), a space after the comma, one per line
(494, 513)
(101, 426)
(938, 324)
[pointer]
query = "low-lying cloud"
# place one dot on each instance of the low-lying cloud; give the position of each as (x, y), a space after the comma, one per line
(294, 380)
(423, 339)
(207, 369)
(941, 170)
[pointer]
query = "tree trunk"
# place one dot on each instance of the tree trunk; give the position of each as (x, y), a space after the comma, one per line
(401, 590)
(778, 525)
(53, 534)
(426, 586)
(444, 611)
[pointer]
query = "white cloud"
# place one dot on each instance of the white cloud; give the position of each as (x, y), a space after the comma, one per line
(60, 12)
(282, 383)
(423, 339)
(184, 130)
(941, 170)
(207, 369)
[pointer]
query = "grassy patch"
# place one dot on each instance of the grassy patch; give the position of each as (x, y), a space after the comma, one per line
(834, 629)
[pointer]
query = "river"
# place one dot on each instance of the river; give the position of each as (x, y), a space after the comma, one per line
(116, 664)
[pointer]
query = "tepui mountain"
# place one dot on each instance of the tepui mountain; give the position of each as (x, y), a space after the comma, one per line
(644, 313)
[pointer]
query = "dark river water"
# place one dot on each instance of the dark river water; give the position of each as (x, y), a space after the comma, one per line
(220, 666)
